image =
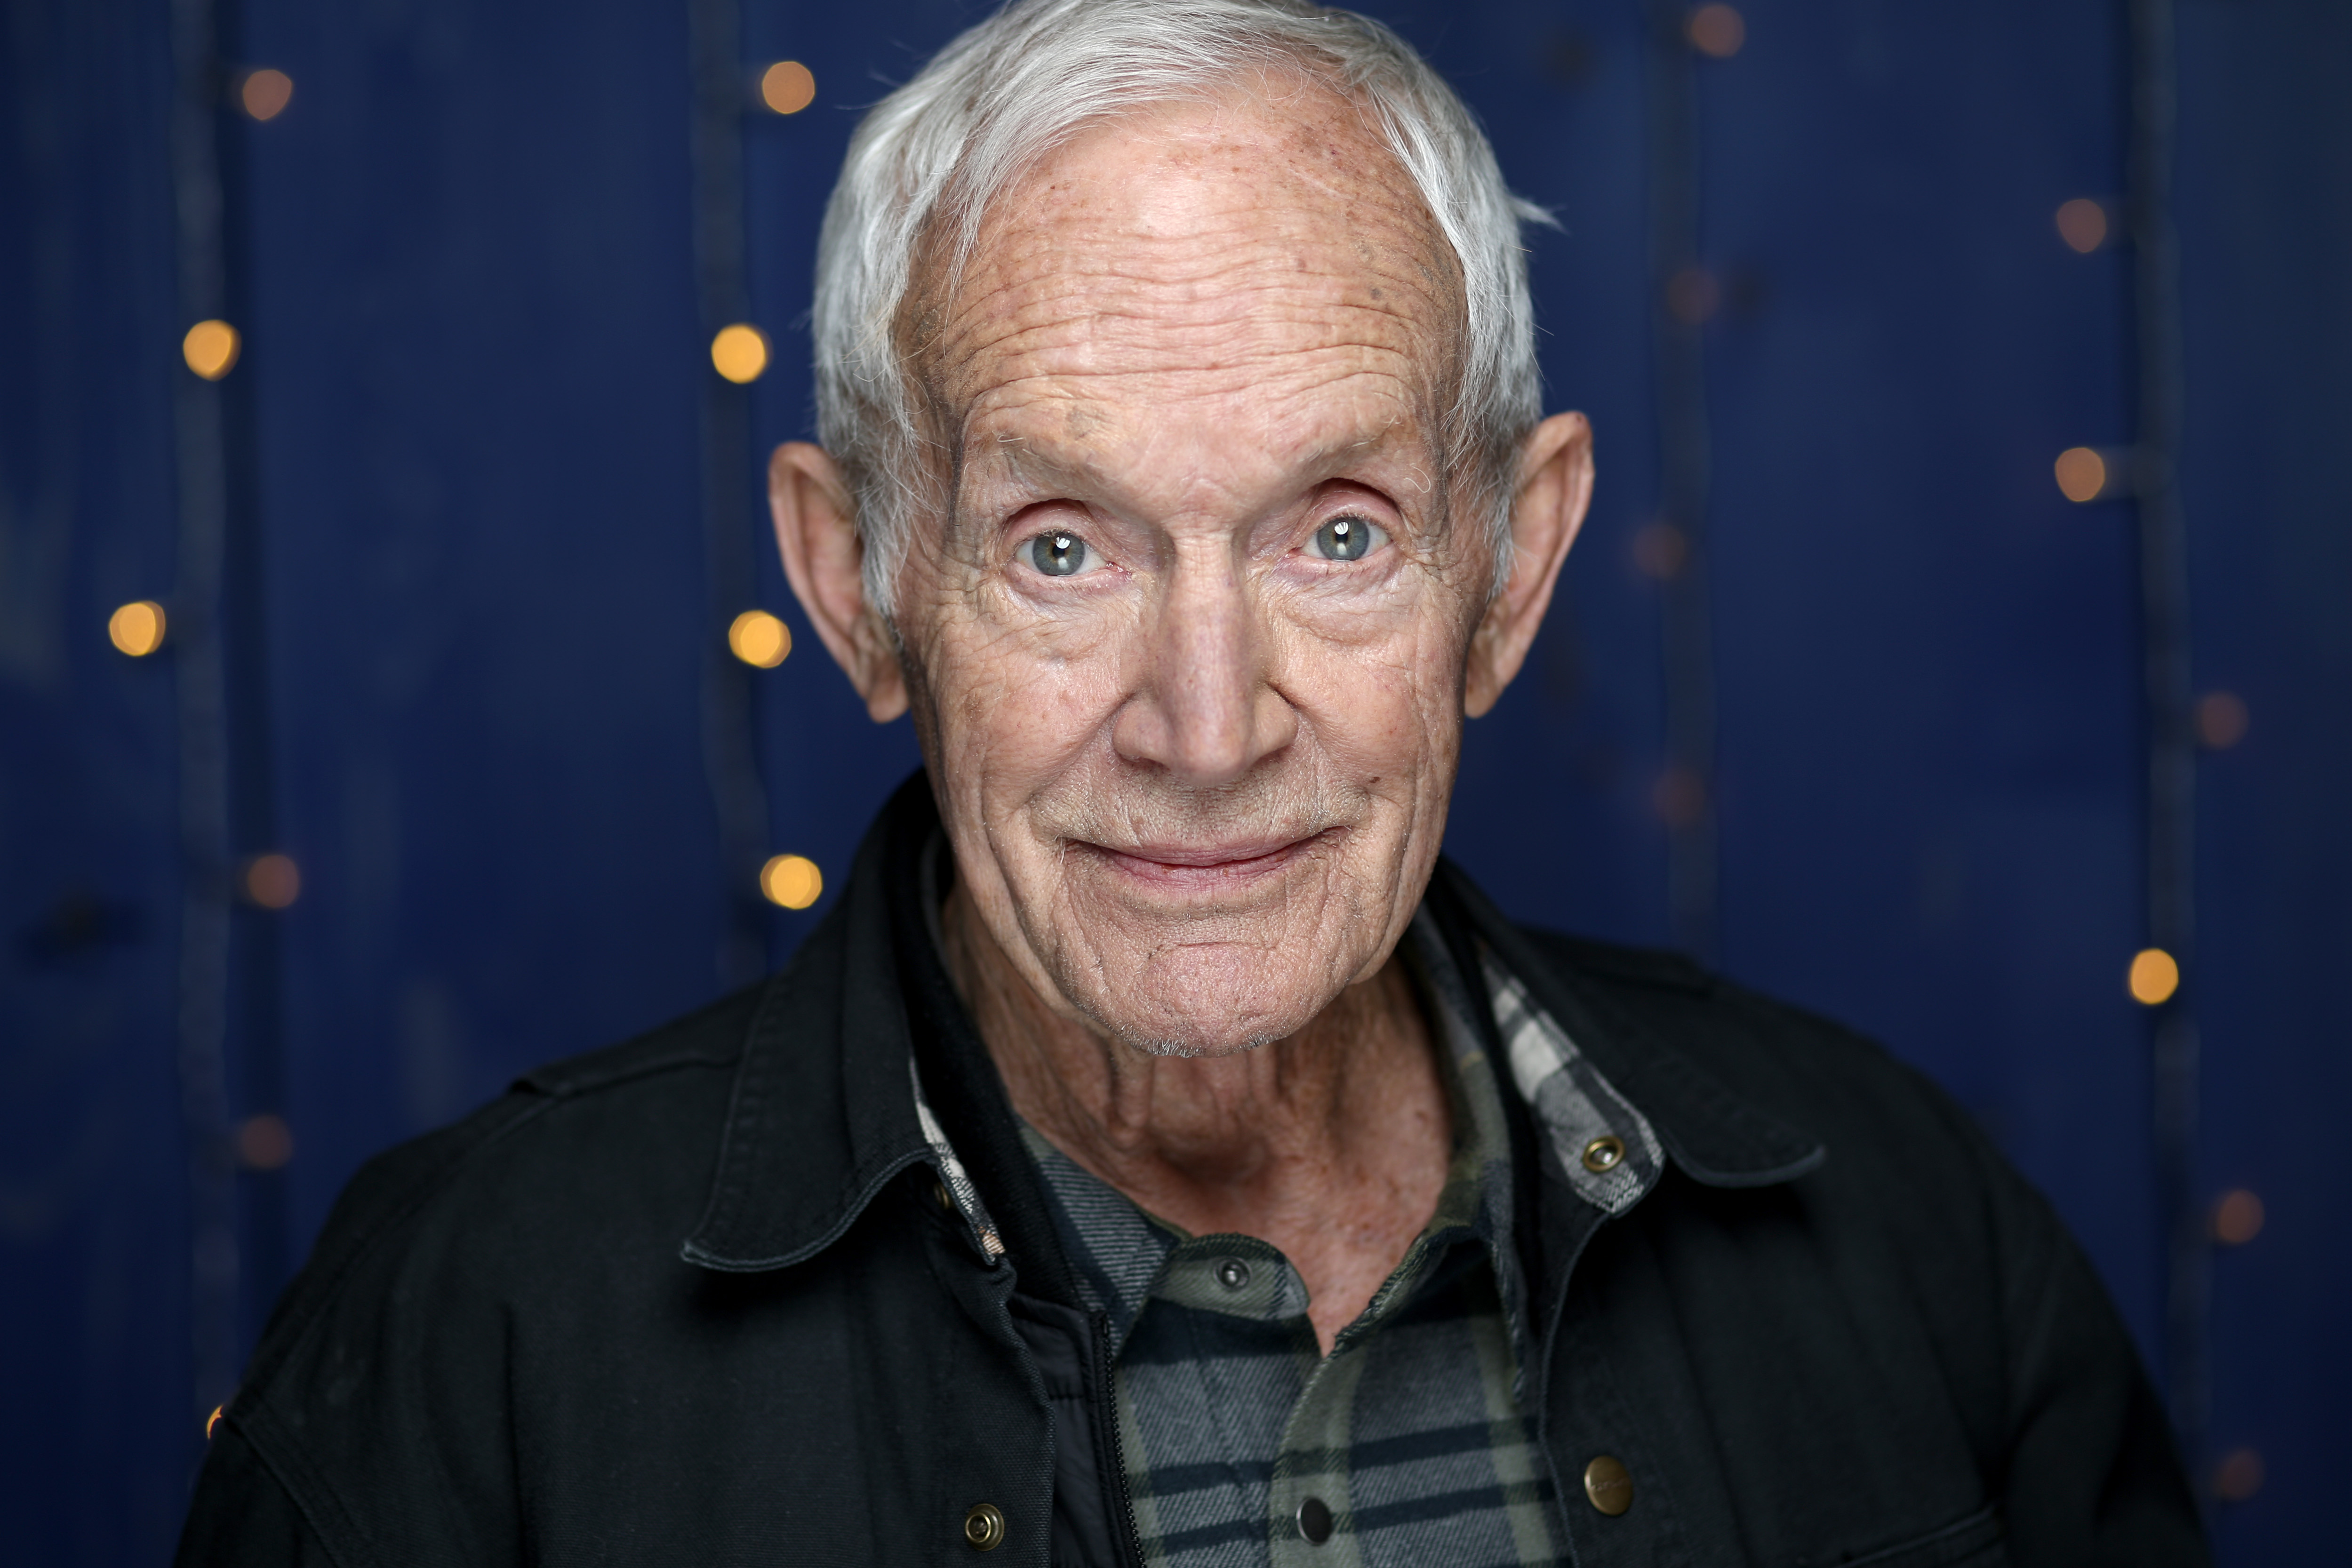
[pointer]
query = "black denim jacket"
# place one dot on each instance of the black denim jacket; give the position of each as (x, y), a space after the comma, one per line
(697, 1299)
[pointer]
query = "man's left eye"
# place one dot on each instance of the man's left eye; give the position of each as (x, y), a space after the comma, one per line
(1346, 539)
(1060, 553)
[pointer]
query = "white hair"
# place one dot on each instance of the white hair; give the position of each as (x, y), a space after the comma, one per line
(927, 160)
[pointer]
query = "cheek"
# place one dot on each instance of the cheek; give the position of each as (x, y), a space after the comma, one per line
(1383, 690)
(1022, 702)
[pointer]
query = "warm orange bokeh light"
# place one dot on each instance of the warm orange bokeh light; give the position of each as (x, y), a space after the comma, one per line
(792, 881)
(787, 87)
(1693, 295)
(2239, 1475)
(2082, 474)
(2237, 1217)
(2083, 224)
(2221, 719)
(273, 882)
(739, 353)
(759, 639)
(137, 628)
(263, 94)
(210, 348)
(1716, 31)
(2155, 976)
(264, 1142)
(1660, 550)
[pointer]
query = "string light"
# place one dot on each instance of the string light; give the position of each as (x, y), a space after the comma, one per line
(263, 94)
(273, 882)
(1660, 550)
(1716, 31)
(211, 349)
(739, 353)
(2237, 1217)
(2083, 224)
(2221, 719)
(1679, 797)
(2155, 976)
(787, 87)
(264, 1142)
(791, 882)
(759, 639)
(2239, 1475)
(2082, 474)
(1693, 294)
(137, 628)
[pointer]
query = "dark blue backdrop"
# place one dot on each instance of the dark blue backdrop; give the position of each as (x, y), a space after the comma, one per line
(470, 611)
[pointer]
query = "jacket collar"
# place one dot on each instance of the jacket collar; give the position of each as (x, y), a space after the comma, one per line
(1710, 1132)
(825, 1113)
(829, 1106)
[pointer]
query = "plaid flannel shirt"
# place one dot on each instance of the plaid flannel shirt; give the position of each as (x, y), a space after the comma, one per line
(1408, 1444)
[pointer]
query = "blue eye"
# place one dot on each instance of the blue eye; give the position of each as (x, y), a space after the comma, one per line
(1346, 539)
(1059, 554)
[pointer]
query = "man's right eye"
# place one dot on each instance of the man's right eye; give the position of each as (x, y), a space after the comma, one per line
(1060, 554)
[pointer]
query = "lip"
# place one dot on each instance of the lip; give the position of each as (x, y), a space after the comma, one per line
(1222, 865)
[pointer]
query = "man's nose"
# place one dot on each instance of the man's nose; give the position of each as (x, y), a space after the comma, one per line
(1207, 708)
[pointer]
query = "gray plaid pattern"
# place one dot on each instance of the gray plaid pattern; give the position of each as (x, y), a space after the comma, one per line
(1411, 1433)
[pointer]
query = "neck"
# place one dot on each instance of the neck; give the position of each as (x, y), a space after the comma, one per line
(1333, 1145)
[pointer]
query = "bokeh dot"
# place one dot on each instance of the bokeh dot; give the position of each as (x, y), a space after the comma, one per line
(2154, 977)
(1716, 31)
(759, 639)
(2237, 1217)
(137, 628)
(273, 882)
(787, 87)
(2239, 1475)
(2082, 474)
(739, 353)
(210, 349)
(2083, 224)
(264, 1142)
(2221, 719)
(263, 94)
(791, 882)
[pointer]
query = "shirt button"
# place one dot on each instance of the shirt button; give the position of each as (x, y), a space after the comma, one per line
(1608, 1485)
(1604, 1153)
(1232, 1274)
(1315, 1521)
(984, 1527)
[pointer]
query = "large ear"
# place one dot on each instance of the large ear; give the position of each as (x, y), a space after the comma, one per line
(816, 529)
(1555, 487)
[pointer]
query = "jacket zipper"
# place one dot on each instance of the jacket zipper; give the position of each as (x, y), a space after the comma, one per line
(1129, 1544)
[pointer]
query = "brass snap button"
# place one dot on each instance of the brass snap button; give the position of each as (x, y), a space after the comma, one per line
(984, 1527)
(941, 1196)
(1604, 1153)
(1608, 1486)
(1315, 1521)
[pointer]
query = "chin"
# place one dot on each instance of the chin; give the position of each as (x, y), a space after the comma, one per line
(1205, 1004)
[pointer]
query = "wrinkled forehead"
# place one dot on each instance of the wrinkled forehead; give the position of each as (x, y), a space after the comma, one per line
(1200, 246)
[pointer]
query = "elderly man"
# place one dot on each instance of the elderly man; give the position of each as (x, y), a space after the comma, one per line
(1161, 1156)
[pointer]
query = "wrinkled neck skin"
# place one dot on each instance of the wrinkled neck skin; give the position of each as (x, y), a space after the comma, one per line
(1323, 1143)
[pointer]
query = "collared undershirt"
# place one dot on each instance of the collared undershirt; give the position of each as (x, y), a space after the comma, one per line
(1410, 1432)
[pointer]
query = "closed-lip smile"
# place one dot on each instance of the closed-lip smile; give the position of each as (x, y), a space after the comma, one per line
(1174, 865)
